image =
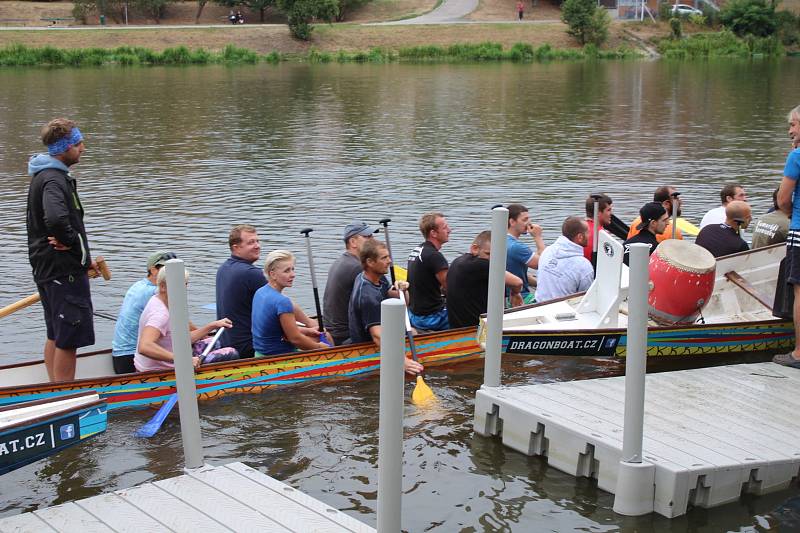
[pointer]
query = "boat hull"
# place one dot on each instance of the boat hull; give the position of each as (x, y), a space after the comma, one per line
(682, 341)
(253, 375)
(48, 433)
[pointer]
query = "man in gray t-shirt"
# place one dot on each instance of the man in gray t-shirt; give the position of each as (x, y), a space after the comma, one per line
(341, 276)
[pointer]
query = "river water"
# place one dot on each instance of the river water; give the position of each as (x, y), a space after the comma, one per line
(176, 156)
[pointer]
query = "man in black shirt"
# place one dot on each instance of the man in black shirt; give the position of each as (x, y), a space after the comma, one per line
(427, 275)
(723, 239)
(468, 284)
(654, 219)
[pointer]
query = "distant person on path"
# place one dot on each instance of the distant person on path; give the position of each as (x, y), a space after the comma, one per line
(789, 203)
(369, 290)
(275, 316)
(729, 193)
(237, 281)
(341, 276)
(604, 212)
(669, 198)
(563, 269)
(154, 350)
(519, 255)
(773, 227)
(58, 248)
(468, 284)
(725, 239)
(427, 275)
(520, 9)
(126, 330)
(653, 220)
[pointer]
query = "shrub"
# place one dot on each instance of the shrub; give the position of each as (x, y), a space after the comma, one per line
(749, 17)
(697, 20)
(676, 27)
(585, 21)
(787, 27)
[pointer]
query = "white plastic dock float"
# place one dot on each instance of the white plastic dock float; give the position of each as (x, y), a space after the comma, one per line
(711, 433)
(233, 497)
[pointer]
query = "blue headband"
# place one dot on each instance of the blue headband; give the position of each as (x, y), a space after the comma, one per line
(64, 143)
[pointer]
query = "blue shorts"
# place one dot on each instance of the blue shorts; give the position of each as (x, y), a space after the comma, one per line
(67, 306)
(434, 322)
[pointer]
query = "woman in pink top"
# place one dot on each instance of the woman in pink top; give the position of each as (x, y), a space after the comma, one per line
(154, 350)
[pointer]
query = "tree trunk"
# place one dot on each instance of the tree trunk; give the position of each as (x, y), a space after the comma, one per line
(200, 5)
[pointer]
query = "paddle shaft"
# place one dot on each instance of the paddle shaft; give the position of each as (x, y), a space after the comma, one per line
(385, 224)
(307, 233)
(35, 297)
(674, 201)
(595, 229)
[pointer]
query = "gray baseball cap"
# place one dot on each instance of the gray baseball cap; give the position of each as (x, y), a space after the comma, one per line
(357, 227)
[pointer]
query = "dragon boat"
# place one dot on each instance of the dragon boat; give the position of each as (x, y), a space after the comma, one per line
(27, 381)
(736, 320)
(33, 430)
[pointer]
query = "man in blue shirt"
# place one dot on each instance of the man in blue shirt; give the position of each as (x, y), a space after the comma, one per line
(519, 255)
(789, 203)
(369, 290)
(126, 330)
(238, 279)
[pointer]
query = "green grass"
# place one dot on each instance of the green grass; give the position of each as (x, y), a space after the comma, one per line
(18, 55)
(721, 44)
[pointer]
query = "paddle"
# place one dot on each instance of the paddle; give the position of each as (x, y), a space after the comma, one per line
(322, 336)
(152, 427)
(595, 228)
(422, 393)
(618, 228)
(687, 227)
(674, 202)
(35, 297)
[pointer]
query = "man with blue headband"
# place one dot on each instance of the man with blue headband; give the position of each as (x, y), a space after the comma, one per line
(58, 248)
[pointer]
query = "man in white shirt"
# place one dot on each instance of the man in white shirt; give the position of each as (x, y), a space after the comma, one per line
(563, 269)
(729, 193)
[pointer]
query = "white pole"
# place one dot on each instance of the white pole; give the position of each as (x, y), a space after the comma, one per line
(390, 424)
(184, 371)
(635, 480)
(497, 289)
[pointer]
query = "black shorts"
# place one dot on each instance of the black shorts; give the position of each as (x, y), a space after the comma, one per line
(67, 307)
(123, 364)
(793, 257)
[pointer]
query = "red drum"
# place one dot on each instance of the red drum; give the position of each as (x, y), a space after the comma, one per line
(681, 280)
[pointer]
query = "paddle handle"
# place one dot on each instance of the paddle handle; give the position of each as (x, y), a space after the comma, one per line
(306, 232)
(385, 223)
(409, 334)
(212, 343)
(22, 304)
(34, 298)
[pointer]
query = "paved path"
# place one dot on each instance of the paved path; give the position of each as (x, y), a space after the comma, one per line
(449, 11)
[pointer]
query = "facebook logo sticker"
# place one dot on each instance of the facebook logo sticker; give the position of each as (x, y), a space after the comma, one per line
(67, 431)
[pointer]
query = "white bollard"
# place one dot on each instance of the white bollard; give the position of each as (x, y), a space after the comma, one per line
(497, 291)
(184, 371)
(390, 422)
(634, 495)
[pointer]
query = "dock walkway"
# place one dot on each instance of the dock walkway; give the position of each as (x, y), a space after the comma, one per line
(233, 497)
(712, 433)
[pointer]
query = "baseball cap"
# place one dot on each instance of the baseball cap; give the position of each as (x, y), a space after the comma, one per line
(649, 212)
(159, 259)
(357, 227)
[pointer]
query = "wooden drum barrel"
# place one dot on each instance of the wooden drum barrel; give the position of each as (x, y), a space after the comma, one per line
(681, 280)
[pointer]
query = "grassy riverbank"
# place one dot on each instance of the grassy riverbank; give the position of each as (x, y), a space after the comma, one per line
(21, 55)
(721, 44)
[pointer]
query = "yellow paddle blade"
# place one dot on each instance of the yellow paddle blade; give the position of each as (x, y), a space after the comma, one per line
(422, 394)
(687, 227)
(400, 273)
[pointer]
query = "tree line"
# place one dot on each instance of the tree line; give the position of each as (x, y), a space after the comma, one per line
(299, 14)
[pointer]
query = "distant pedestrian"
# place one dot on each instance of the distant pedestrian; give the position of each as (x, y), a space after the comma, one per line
(58, 248)
(520, 9)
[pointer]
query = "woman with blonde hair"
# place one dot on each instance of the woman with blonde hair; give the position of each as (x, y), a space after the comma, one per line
(276, 317)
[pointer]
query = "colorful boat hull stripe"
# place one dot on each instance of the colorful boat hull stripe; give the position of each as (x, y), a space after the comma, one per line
(255, 375)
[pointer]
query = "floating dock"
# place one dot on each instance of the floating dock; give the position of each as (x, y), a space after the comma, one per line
(711, 433)
(233, 497)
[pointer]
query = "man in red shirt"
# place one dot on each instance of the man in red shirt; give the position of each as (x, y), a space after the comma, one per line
(604, 212)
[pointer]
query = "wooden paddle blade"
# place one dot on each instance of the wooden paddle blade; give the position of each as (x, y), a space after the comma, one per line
(422, 394)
